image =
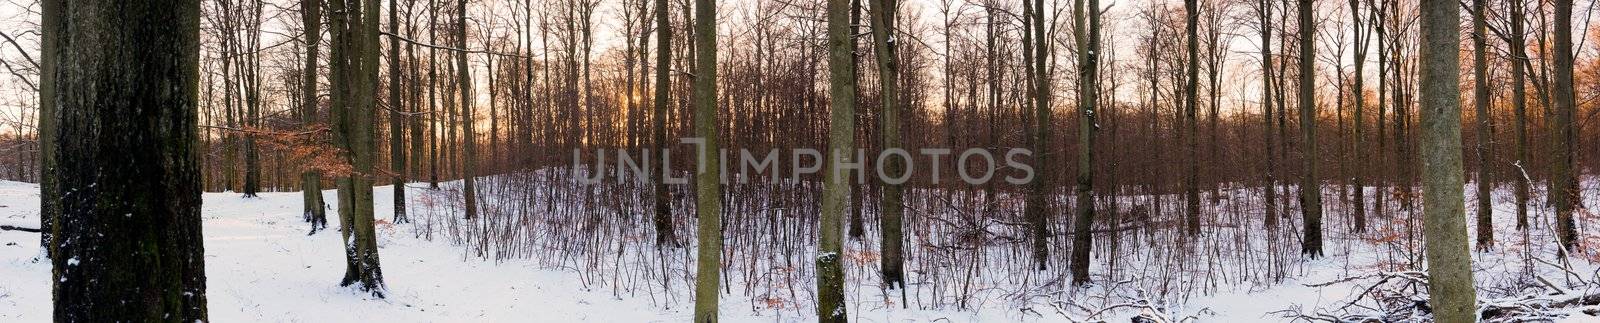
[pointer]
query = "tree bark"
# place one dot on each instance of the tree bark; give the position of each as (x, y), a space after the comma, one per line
(49, 192)
(1088, 126)
(1191, 180)
(314, 209)
(708, 201)
(129, 241)
(1480, 103)
(1449, 259)
(841, 142)
(891, 207)
(397, 125)
(663, 216)
(355, 72)
(1564, 192)
(469, 155)
(1310, 190)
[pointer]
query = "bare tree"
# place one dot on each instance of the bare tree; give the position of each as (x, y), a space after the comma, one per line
(1449, 259)
(708, 193)
(1310, 189)
(884, 36)
(836, 188)
(1088, 39)
(354, 24)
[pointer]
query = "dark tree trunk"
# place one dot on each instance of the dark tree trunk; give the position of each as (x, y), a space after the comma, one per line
(314, 209)
(354, 71)
(129, 245)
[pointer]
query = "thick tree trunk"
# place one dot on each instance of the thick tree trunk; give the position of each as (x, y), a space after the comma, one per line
(354, 69)
(129, 245)
(1449, 259)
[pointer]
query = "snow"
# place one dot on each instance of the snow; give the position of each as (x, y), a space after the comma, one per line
(261, 266)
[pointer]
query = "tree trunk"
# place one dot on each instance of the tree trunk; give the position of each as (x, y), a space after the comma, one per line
(1191, 180)
(841, 142)
(1310, 190)
(1088, 125)
(126, 119)
(1480, 102)
(663, 214)
(892, 210)
(708, 201)
(1358, 178)
(1563, 189)
(397, 125)
(469, 155)
(49, 192)
(1449, 259)
(314, 210)
(1270, 219)
(1519, 102)
(354, 69)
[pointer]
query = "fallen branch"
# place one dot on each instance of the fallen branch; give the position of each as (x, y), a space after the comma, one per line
(17, 228)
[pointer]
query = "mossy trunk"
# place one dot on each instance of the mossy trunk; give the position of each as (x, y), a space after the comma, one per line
(708, 186)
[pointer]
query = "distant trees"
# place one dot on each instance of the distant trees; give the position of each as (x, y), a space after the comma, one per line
(128, 246)
(1449, 259)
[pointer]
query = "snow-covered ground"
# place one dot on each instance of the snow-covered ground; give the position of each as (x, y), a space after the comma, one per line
(261, 266)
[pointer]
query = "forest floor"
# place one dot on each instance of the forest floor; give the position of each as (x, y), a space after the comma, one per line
(262, 266)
